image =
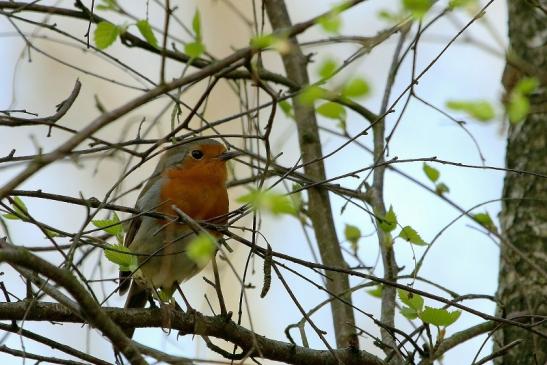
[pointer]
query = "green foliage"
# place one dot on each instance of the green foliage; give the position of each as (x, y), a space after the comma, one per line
(105, 34)
(518, 106)
(111, 226)
(107, 5)
(389, 223)
(352, 234)
(201, 249)
(418, 8)
(439, 316)
(485, 220)
(415, 308)
(414, 304)
(194, 49)
(431, 172)
(19, 208)
(409, 313)
(196, 25)
(391, 17)
(331, 22)
(286, 107)
(146, 30)
(279, 43)
(480, 110)
(310, 94)
(526, 85)
(121, 256)
(409, 234)
(270, 201)
(441, 188)
(263, 41)
(455, 4)
(51, 234)
(332, 110)
(355, 88)
(377, 291)
(327, 68)
(412, 300)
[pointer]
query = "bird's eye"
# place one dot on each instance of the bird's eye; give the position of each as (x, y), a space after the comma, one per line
(197, 154)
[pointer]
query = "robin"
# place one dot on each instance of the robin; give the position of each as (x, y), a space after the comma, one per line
(190, 177)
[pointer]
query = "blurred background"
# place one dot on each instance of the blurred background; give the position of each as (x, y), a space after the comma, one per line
(462, 259)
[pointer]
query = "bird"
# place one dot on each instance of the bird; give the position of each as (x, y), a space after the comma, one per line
(190, 178)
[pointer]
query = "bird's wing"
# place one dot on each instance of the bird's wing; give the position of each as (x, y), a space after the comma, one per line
(148, 200)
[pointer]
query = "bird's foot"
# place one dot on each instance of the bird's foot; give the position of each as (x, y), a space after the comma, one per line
(168, 311)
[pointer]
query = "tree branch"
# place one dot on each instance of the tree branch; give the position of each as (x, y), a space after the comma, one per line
(198, 324)
(89, 307)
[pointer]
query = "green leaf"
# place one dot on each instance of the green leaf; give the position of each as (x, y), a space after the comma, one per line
(377, 291)
(409, 313)
(332, 110)
(431, 172)
(196, 25)
(270, 201)
(194, 49)
(389, 223)
(439, 317)
(480, 110)
(310, 94)
(10, 216)
(412, 300)
(455, 4)
(147, 32)
(409, 234)
(105, 34)
(352, 234)
(355, 88)
(263, 41)
(526, 85)
(388, 16)
(418, 8)
(327, 68)
(51, 234)
(518, 106)
(121, 256)
(107, 5)
(111, 226)
(19, 208)
(485, 220)
(331, 22)
(286, 107)
(441, 188)
(201, 249)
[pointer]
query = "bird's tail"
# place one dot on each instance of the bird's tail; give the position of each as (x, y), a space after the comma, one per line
(136, 298)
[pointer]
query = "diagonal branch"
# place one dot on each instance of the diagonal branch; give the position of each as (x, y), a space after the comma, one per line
(90, 309)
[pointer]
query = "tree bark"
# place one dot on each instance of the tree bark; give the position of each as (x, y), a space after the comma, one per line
(320, 211)
(522, 289)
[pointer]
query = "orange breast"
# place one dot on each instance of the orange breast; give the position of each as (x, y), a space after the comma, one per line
(200, 193)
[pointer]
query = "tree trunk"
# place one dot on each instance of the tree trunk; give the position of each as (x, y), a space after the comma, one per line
(522, 288)
(320, 211)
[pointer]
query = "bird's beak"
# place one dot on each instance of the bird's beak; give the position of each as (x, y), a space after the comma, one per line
(228, 155)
